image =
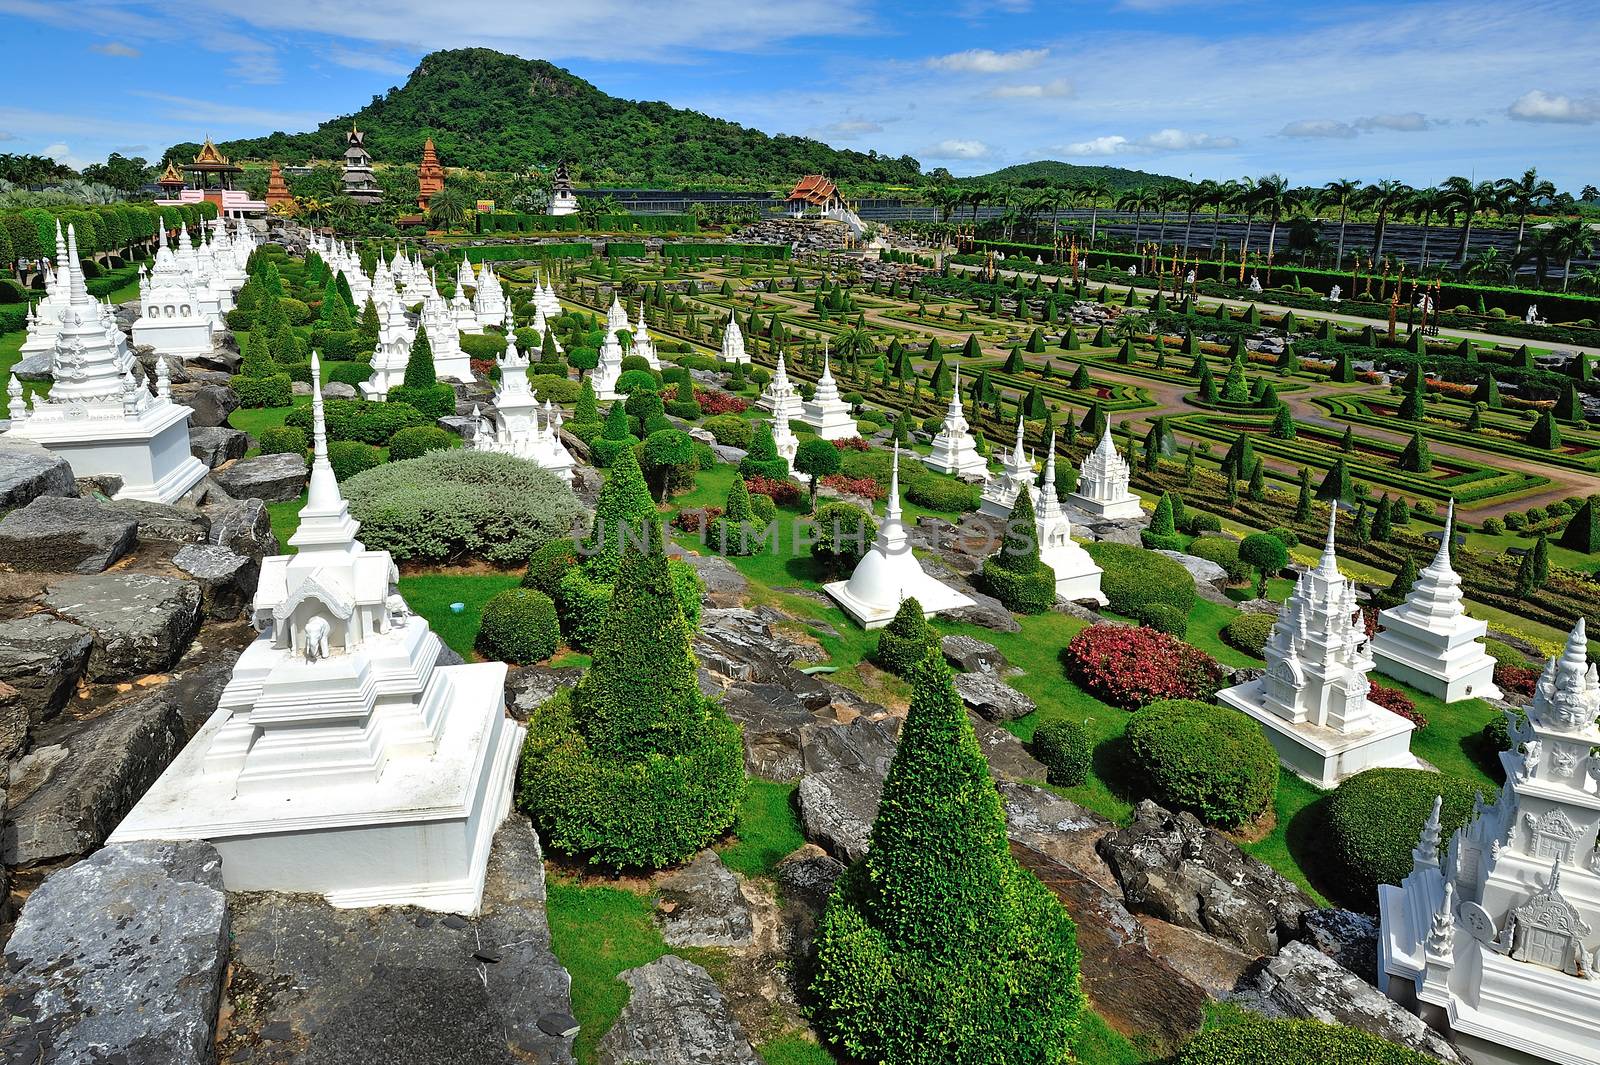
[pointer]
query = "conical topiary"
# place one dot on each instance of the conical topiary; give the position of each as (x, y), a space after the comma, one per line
(1014, 575)
(622, 514)
(903, 642)
(419, 368)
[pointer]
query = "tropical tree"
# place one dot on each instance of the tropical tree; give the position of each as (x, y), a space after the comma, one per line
(1196, 197)
(1469, 200)
(1341, 193)
(1094, 190)
(1568, 239)
(1222, 195)
(1521, 195)
(447, 208)
(1383, 198)
(1136, 201)
(1273, 197)
(1424, 204)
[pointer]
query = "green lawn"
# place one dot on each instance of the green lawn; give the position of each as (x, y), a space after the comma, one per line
(430, 595)
(766, 831)
(598, 932)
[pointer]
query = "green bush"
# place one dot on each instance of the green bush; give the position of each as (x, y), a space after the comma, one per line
(359, 419)
(905, 640)
(1196, 522)
(1162, 618)
(943, 493)
(730, 430)
(557, 389)
(1257, 1040)
(350, 457)
(1375, 819)
(436, 400)
(1212, 761)
(354, 374)
(1134, 577)
(549, 564)
(284, 440)
(843, 533)
(1249, 632)
(1225, 553)
(519, 625)
(581, 605)
(1014, 575)
(419, 440)
(1063, 747)
(253, 392)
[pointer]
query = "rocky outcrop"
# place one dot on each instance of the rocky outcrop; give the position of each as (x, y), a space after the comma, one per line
(725, 585)
(42, 657)
(529, 687)
(227, 581)
(701, 905)
(270, 478)
(675, 1015)
(165, 523)
(808, 875)
(26, 473)
(243, 526)
(971, 655)
(119, 958)
(141, 622)
(837, 808)
(56, 534)
(211, 403)
(992, 698)
(1349, 938)
(216, 444)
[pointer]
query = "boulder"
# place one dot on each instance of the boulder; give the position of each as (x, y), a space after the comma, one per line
(141, 622)
(725, 585)
(220, 358)
(72, 798)
(971, 655)
(14, 724)
(1172, 867)
(1008, 758)
(808, 876)
(211, 403)
(227, 581)
(529, 687)
(773, 718)
(837, 808)
(741, 644)
(992, 698)
(36, 368)
(1039, 818)
(120, 958)
(243, 526)
(338, 390)
(867, 743)
(55, 534)
(164, 522)
(676, 1015)
(1349, 938)
(216, 444)
(1303, 983)
(1204, 571)
(985, 611)
(272, 478)
(26, 473)
(42, 657)
(701, 905)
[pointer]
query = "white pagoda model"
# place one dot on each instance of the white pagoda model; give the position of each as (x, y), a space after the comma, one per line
(608, 369)
(616, 316)
(888, 574)
(641, 345)
(466, 279)
(450, 363)
(563, 200)
(1077, 575)
(1102, 490)
(825, 411)
(1016, 475)
(780, 396)
(488, 299)
(1312, 700)
(1429, 642)
(1499, 944)
(98, 416)
(733, 342)
(954, 450)
(173, 317)
(342, 759)
(464, 315)
(545, 298)
(393, 350)
(519, 426)
(44, 318)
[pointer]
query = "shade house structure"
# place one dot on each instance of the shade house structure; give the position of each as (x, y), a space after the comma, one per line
(1312, 700)
(1429, 642)
(889, 574)
(342, 759)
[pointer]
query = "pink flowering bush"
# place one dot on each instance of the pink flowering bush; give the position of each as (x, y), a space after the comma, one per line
(865, 487)
(714, 402)
(1129, 667)
(784, 493)
(1396, 702)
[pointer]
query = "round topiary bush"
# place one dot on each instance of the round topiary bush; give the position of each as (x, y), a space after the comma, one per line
(730, 430)
(1257, 1040)
(284, 440)
(1134, 577)
(1210, 760)
(351, 457)
(1225, 553)
(1249, 632)
(1163, 618)
(1063, 747)
(518, 625)
(447, 506)
(1374, 820)
(1129, 667)
(943, 493)
(419, 440)
(549, 564)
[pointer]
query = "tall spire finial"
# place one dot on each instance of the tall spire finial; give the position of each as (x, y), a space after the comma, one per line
(1442, 559)
(323, 493)
(1330, 560)
(892, 511)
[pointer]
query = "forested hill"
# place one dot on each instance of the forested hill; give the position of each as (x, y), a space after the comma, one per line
(489, 111)
(1059, 173)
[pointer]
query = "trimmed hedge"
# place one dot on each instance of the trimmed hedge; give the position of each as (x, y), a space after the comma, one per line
(358, 419)
(519, 625)
(1249, 632)
(255, 392)
(1135, 577)
(351, 457)
(1375, 819)
(1212, 761)
(419, 440)
(942, 493)
(1257, 1040)
(906, 640)
(284, 440)
(1064, 748)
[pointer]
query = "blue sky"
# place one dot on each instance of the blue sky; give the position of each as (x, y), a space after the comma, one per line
(1411, 90)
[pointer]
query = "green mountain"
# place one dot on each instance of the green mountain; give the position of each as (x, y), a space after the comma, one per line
(489, 111)
(1054, 172)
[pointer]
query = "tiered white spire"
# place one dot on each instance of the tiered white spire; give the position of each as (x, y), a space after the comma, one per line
(1077, 575)
(954, 449)
(616, 317)
(44, 319)
(489, 301)
(641, 345)
(1102, 490)
(465, 278)
(825, 411)
(1016, 475)
(393, 351)
(733, 342)
(516, 426)
(176, 309)
(608, 368)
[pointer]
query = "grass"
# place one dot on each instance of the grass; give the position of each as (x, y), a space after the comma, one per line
(430, 595)
(285, 517)
(794, 1049)
(767, 829)
(598, 932)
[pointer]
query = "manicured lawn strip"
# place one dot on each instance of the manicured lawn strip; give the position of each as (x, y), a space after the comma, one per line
(598, 932)
(285, 517)
(767, 829)
(1205, 632)
(430, 595)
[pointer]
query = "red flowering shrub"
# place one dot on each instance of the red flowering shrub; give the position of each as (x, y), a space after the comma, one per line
(1369, 619)
(1396, 702)
(696, 519)
(481, 367)
(715, 402)
(1516, 679)
(785, 493)
(1129, 667)
(865, 487)
(852, 443)
(1458, 389)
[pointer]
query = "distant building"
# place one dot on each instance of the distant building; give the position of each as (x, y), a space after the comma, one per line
(813, 194)
(430, 176)
(562, 199)
(210, 177)
(359, 182)
(277, 190)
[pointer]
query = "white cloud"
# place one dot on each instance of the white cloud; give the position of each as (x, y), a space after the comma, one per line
(381, 64)
(1053, 90)
(5, 136)
(1318, 127)
(1177, 140)
(1405, 122)
(1099, 146)
(958, 149)
(116, 48)
(61, 153)
(988, 61)
(190, 111)
(1537, 105)
(853, 126)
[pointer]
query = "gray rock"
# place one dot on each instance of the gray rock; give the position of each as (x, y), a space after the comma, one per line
(837, 809)
(701, 905)
(529, 687)
(120, 958)
(26, 473)
(866, 743)
(211, 403)
(1113, 533)
(985, 611)
(462, 425)
(42, 657)
(243, 526)
(1260, 606)
(75, 798)
(1202, 570)
(1349, 938)
(992, 698)
(676, 1015)
(220, 358)
(338, 390)
(1302, 983)
(37, 368)
(725, 585)
(141, 622)
(300, 388)
(740, 644)
(971, 655)
(773, 719)
(808, 875)
(14, 725)
(227, 581)
(165, 523)
(448, 656)
(1033, 815)
(216, 444)
(53, 534)
(1008, 758)
(272, 478)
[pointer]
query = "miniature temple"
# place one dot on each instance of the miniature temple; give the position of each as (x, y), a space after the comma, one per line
(563, 200)
(616, 316)
(1498, 943)
(1429, 642)
(489, 300)
(733, 342)
(1102, 490)
(519, 425)
(825, 411)
(430, 176)
(463, 314)
(173, 318)
(277, 189)
(780, 396)
(641, 346)
(342, 759)
(393, 351)
(465, 278)
(1016, 475)
(450, 363)
(545, 298)
(98, 415)
(44, 317)
(954, 450)
(360, 184)
(888, 574)
(1313, 699)
(1077, 574)
(608, 369)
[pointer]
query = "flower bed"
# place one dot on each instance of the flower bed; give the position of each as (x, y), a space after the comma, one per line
(715, 402)
(784, 493)
(865, 487)
(1129, 667)
(1516, 679)
(1396, 702)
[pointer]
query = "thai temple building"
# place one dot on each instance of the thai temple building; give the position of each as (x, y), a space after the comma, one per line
(1498, 943)
(1077, 574)
(1016, 475)
(733, 342)
(173, 317)
(544, 297)
(393, 351)
(466, 279)
(641, 346)
(954, 450)
(888, 574)
(360, 184)
(430, 176)
(489, 300)
(518, 425)
(563, 200)
(1312, 701)
(342, 759)
(463, 314)
(277, 189)
(1102, 490)
(98, 415)
(1429, 642)
(780, 396)
(825, 411)
(211, 176)
(541, 325)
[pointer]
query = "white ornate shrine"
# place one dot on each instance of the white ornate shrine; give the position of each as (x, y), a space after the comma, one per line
(733, 342)
(465, 278)
(616, 316)
(1077, 574)
(488, 299)
(1016, 474)
(888, 573)
(1102, 490)
(393, 350)
(1312, 700)
(780, 396)
(641, 345)
(608, 369)
(98, 415)
(450, 363)
(173, 317)
(545, 298)
(518, 425)
(1499, 944)
(343, 760)
(954, 450)
(1429, 642)
(44, 317)
(825, 412)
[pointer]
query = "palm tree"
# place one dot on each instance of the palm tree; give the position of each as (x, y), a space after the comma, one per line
(1273, 196)
(1471, 200)
(1521, 195)
(1568, 239)
(1488, 265)
(1162, 197)
(1243, 199)
(446, 208)
(1222, 195)
(1094, 190)
(1195, 198)
(946, 198)
(1341, 194)
(1382, 197)
(1137, 200)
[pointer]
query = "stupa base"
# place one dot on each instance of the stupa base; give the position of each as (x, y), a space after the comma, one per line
(1322, 756)
(1451, 685)
(929, 593)
(1116, 510)
(1075, 581)
(149, 453)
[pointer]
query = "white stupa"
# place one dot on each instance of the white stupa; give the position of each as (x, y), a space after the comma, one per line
(1077, 575)
(450, 363)
(464, 315)
(1312, 700)
(1102, 490)
(1016, 475)
(733, 342)
(1499, 945)
(888, 573)
(545, 298)
(393, 351)
(489, 299)
(173, 317)
(608, 368)
(641, 345)
(343, 760)
(98, 416)
(1429, 642)
(825, 411)
(616, 316)
(780, 396)
(518, 425)
(44, 317)
(954, 450)
(541, 326)
(465, 278)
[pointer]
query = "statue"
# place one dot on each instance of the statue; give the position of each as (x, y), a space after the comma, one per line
(1255, 284)
(316, 637)
(1133, 271)
(1188, 279)
(1334, 294)
(396, 611)
(1532, 317)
